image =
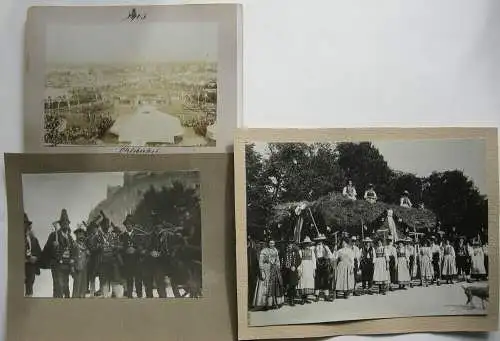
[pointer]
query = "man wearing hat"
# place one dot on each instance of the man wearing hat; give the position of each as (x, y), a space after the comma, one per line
(437, 257)
(392, 252)
(323, 256)
(291, 262)
(405, 200)
(155, 262)
(81, 256)
(366, 263)
(59, 252)
(307, 270)
(33, 254)
(411, 252)
(132, 267)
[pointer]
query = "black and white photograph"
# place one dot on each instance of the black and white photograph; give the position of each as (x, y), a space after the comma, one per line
(356, 230)
(112, 235)
(131, 83)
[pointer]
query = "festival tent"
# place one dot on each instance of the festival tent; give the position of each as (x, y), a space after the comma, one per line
(147, 125)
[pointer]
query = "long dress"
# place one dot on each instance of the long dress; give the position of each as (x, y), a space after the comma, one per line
(306, 271)
(403, 273)
(345, 270)
(269, 290)
(426, 269)
(449, 264)
(478, 262)
(380, 271)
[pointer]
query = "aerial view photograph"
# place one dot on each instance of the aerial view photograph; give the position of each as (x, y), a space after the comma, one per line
(148, 84)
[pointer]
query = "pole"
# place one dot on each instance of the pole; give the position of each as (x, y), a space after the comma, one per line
(314, 222)
(362, 229)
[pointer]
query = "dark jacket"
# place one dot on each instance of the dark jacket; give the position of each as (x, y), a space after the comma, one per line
(62, 254)
(36, 251)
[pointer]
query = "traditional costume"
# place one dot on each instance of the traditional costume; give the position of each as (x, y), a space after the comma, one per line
(402, 266)
(405, 200)
(436, 261)
(381, 272)
(307, 269)
(349, 191)
(478, 269)
(58, 253)
(366, 262)
(291, 262)
(33, 253)
(370, 195)
(81, 255)
(269, 291)
(392, 253)
(155, 263)
(412, 259)
(485, 252)
(426, 269)
(461, 259)
(323, 257)
(449, 267)
(345, 271)
(132, 259)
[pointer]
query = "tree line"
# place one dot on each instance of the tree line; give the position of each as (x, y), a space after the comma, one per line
(292, 172)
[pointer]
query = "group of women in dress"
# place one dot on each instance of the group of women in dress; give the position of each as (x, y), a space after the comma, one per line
(314, 269)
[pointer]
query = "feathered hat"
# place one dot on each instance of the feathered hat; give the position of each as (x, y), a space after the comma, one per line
(64, 217)
(26, 219)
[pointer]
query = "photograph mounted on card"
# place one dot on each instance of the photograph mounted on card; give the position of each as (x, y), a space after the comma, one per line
(135, 80)
(384, 230)
(126, 236)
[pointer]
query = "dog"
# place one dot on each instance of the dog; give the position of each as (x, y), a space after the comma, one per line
(479, 292)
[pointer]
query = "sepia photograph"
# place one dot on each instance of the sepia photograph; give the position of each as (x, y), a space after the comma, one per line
(131, 83)
(365, 229)
(112, 235)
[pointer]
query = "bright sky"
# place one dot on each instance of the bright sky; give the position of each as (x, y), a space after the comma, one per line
(422, 157)
(45, 195)
(151, 42)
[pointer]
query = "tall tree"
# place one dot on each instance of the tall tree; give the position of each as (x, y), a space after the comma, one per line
(258, 192)
(456, 201)
(363, 164)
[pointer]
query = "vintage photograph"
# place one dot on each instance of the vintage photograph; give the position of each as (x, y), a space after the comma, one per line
(346, 231)
(112, 235)
(131, 82)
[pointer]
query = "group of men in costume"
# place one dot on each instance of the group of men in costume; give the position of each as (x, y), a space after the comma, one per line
(121, 259)
(310, 270)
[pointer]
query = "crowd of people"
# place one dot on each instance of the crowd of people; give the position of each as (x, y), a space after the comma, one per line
(123, 261)
(306, 271)
(313, 269)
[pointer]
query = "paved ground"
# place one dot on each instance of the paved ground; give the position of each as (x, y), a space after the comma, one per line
(43, 286)
(447, 299)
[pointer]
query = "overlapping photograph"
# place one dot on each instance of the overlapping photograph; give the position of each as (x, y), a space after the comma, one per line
(113, 235)
(346, 231)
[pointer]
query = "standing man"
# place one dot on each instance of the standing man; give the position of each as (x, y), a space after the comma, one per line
(461, 259)
(291, 263)
(349, 191)
(436, 260)
(109, 260)
(33, 254)
(132, 271)
(81, 256)
(366, 262)
(392, 253)
(411, 251)
(59, 252)
(357, 258)
(155, 263)
(323, 256)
